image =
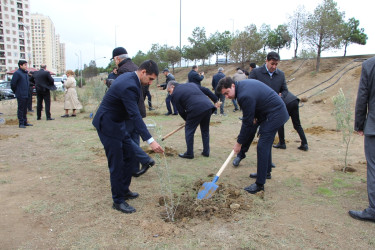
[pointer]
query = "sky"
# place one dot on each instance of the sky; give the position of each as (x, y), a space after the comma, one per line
(91, 29)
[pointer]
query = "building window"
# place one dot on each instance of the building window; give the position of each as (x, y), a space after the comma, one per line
(2, 54)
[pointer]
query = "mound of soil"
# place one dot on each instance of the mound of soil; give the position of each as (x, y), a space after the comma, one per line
(11, 122)
(168, 151)
(317, 130)
(226, 201)
(4, 137)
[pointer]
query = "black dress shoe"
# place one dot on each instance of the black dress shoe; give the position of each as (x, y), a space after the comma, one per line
(151, 108)
(175, 114)
(167, 113)
(144, 168)
(303, 147)
(38, 118)
(64, 116)
(237, 161)
(279, 145)
(50, 119)
(184, 155)
(205, 155)
(255, 175)
(254, 188)
(22, 126)
(131, 195)
(362, 215)
(124, 207)
(273, 165)
(28, 124)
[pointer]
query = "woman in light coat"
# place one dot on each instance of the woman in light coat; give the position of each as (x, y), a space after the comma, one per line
(71, 97)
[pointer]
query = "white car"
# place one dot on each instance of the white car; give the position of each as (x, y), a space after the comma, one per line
(59, 83)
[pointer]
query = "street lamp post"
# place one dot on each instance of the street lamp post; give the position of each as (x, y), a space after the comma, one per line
(79, 64)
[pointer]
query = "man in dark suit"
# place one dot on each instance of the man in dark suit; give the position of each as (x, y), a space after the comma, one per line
(20, 86)
(195, 108)
(43, 84)
(194, 76)
(125, 64)
(365, 125)
(274, 78)
(215, 80)
(120, 104)
(258, 103)
(168, 77)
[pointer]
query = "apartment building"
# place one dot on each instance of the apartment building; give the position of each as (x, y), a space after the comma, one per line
(15, 34)
(46, 45)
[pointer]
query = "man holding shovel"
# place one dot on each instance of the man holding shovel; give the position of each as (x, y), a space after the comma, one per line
(259, 104)
(195, 108)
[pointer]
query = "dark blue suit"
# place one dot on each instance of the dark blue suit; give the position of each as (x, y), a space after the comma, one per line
(120, 104)
(195, 77)
(20, 86)
(196, 109)
(215, 80)
(259, 101)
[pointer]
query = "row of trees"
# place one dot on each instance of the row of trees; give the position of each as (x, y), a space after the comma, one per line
(322, 30)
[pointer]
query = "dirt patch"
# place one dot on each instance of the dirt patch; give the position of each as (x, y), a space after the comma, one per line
(98, 151)
(11, 122)
(168, 151)
(4, 137)
(226, 201)
(317, 130)
(215, 123)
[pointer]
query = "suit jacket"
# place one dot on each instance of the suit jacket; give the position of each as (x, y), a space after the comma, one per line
(168, 78)
(119, 104)
(43, 81)
(20, 84)
(216, 78)
(276, 82)
(194, 77)
(257, 100)
(191, 100)
(289, 97)
(365, 104)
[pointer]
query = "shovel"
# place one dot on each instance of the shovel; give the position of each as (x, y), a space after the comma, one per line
(174, 131)
(209, 188)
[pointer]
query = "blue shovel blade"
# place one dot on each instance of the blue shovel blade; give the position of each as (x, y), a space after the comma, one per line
(208, 189)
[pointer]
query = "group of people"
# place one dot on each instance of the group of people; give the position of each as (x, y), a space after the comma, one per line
(44, 83)
(264, 99)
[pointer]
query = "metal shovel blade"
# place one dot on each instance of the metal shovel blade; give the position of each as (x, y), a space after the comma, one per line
(208, 189)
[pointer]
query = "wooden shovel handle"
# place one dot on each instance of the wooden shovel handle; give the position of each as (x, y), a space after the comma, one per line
(174, 131)
(225, 164)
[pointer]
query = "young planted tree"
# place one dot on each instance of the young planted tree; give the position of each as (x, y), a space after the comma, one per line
(344, 121)
(323, 28)
(351, 33)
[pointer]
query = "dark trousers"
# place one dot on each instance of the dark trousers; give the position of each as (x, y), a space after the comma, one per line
(293, 111)
(235, 104)
(168, 102)
(370, 158)
(140, 156)
(46, 97)
(203, 120)
(264, 155)
(118, 153)
(148, 94)
(222, 99)
(30, 101)
(22, 110)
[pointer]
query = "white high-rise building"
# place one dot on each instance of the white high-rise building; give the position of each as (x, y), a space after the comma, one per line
(44, 41)
(15, 34)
